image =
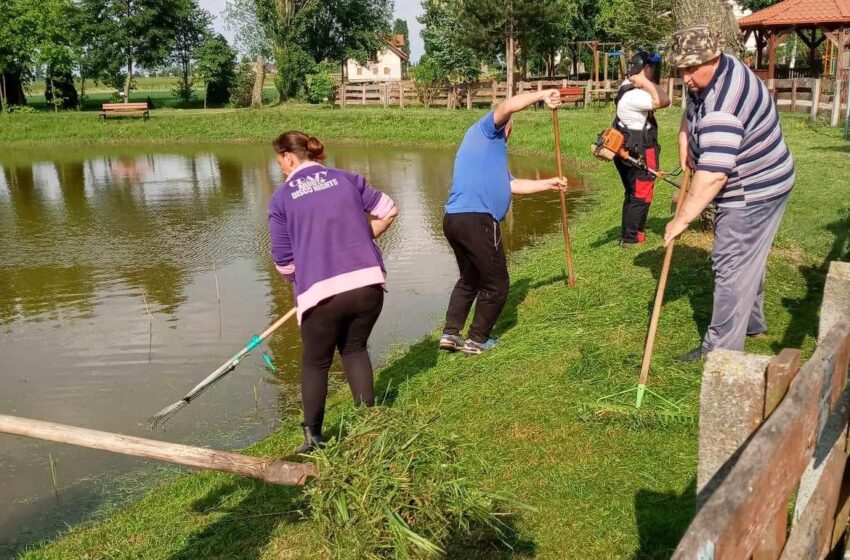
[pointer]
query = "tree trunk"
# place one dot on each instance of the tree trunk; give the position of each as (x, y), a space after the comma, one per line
(13, 89)
(510, 54)
(206, 91)
(715, 13)
(259, 80)
(129, 79)
(3, 93)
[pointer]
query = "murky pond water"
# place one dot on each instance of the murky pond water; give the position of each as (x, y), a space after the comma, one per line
(112, 265)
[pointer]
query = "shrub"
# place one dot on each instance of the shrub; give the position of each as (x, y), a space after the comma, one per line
(321, 85)
(393, 487)
(241, 94)
(428, 79)
(19, 110)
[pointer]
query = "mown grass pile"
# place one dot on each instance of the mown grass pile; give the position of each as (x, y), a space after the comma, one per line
(394, 486)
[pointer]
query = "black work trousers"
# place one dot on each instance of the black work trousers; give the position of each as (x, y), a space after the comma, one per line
(342, 322)
(639, 186)
(476, 240)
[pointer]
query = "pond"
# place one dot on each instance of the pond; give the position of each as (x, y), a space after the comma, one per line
(127, 274)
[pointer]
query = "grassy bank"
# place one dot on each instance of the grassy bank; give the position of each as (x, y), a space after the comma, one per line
(606, 486)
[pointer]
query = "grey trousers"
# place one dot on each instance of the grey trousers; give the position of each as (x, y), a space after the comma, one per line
(742, 240)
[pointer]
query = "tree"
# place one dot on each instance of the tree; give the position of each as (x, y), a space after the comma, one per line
(215, 61)
(250, 36)
(400, 28)
(428, 79)
(123, 33)
(193, 25)
(487, 24)
(635, 23)
(243, 86)
(717, 14)
(756, 5)
(446, 57)
(18, 28)
(306, 33)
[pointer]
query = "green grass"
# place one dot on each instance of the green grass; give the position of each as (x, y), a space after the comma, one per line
(604, 485)
(158, 89)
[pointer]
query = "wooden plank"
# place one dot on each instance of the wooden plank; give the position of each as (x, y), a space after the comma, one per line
(811, 538)
(273, 471)
(733, 520)
(781, 371)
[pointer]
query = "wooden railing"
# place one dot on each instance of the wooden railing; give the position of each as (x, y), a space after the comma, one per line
(813, 96)
(800, 451)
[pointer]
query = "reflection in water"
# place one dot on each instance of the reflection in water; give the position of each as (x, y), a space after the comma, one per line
(88, 239)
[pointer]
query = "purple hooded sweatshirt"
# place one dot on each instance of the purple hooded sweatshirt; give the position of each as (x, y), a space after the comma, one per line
(317, 221)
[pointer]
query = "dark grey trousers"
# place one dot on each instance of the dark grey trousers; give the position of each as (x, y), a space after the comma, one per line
(742, 240)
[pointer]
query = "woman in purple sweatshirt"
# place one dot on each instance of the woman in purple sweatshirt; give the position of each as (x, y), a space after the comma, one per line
(323, 242)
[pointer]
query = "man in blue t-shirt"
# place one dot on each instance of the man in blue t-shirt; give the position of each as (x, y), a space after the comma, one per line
(480, 198)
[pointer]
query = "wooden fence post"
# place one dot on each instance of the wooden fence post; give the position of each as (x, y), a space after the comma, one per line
(495, 93)
(386, 93)
(401, 95)
(588, 90)
(815, 98)
(793, 95)
(836, 102)
(342, 92)
(469, 96)
(364, 94)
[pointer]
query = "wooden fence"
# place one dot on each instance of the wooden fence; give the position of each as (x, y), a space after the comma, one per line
(813, 96)
(784, 446)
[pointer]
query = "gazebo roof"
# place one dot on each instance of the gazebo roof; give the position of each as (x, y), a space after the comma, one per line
(798, 13)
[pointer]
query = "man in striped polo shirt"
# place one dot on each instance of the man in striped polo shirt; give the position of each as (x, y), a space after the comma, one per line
(730, 137)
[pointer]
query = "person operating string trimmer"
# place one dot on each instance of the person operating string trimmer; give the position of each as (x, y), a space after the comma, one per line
(638, 99)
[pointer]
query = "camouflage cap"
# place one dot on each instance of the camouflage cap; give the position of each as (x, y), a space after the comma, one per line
(694, 46)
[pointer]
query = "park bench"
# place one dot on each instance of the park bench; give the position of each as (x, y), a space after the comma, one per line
(124, 109)
(574, 95)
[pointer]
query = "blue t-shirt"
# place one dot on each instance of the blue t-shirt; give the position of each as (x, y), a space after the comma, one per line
(481, 181)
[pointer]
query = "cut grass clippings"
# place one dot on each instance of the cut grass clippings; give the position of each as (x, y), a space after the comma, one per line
(604, 485)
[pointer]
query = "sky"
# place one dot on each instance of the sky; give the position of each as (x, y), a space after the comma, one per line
(404, 9)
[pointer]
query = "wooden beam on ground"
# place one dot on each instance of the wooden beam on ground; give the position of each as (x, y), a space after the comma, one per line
(273, 471)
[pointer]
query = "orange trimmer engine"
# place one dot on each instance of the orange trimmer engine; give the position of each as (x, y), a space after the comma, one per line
(609, 144)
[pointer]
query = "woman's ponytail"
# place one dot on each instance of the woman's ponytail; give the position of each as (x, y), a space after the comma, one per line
(298, 143)
(315, 149)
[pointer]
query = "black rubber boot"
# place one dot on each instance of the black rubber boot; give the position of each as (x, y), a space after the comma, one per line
(313, 439)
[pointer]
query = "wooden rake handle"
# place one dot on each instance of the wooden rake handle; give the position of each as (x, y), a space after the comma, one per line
(568, 254)
(662, 286)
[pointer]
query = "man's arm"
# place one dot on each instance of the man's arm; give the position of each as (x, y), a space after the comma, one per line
(684, 150)
(530, 186)
(705, 186)
(517, 103)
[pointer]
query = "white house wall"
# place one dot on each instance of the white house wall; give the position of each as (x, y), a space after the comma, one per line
(388, 68)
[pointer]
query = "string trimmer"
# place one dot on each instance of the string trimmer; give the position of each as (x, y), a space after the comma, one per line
(611, 143)
(161, 417)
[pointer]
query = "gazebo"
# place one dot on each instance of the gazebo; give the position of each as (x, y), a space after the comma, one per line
(805, 18)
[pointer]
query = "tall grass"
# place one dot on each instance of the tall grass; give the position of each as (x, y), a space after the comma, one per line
(393, 485)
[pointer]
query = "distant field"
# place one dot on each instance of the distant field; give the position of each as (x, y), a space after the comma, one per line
(158, 89)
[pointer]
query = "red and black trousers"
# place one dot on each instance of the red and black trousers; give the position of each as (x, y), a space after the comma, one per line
(639, 188)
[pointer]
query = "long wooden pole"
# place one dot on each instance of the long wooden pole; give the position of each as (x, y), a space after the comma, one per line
(568, 255)
(659, 298)
(274, 471)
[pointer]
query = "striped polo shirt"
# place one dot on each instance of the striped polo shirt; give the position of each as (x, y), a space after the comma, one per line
(734, 129)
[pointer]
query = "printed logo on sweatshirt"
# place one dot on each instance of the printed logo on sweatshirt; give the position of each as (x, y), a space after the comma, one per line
(313, 183)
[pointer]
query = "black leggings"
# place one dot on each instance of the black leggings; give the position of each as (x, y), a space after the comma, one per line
(343, 322)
